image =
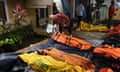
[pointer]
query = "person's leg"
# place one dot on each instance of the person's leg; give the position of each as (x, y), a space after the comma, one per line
(70, 27)
(69, 30)
(60, 28)
(110, 21)
(79, 19)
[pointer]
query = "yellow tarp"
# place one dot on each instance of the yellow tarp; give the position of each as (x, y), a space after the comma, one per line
(44, 63)
(90, 27)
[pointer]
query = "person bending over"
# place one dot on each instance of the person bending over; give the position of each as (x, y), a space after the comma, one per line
(61, 20)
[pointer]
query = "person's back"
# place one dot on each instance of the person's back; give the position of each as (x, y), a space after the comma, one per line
(63, 19)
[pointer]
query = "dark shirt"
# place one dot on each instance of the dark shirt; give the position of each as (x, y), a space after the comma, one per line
(55, 10)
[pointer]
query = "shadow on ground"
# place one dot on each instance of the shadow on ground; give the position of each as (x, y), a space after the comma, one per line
(108, 23)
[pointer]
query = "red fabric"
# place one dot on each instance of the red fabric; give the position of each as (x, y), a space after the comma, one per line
(112, 10)
(105, 70)
(114, 30)
(62, 19)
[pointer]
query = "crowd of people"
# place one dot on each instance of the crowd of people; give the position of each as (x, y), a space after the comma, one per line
(82, 12)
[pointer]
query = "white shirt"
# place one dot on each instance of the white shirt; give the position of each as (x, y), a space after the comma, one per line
(80, 10)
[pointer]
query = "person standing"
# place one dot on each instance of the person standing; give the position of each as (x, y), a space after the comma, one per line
(61, 20)
(111, 13)
(89, 13)
(55, 10)
(80, 12)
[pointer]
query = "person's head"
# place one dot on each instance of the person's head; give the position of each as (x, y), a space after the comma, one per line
(112, 1)
(54, 4)
(52, 17)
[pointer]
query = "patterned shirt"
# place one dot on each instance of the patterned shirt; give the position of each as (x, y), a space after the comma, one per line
(62, 19)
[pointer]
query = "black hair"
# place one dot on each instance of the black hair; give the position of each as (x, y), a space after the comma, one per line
(80, 1)
(54, 3)
(112, 1)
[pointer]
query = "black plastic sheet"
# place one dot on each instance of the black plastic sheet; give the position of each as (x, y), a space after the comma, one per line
(113, 40)
(10, 63)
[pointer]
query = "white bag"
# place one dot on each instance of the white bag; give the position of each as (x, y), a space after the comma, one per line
(51, 28)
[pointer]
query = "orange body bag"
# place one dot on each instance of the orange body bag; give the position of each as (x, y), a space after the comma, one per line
(114, 30)
(108, 51)
(71, 41)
